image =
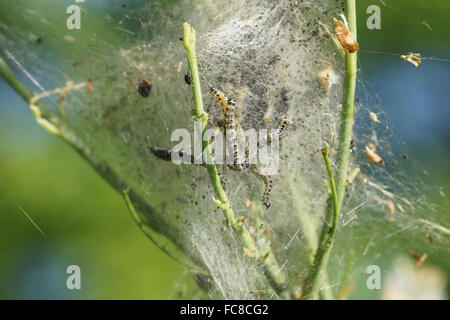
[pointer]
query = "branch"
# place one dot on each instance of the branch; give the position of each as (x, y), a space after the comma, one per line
(343, 154)
(52, 123)
(271, 268)
(326, 238)
(348, 107)
(309, 225)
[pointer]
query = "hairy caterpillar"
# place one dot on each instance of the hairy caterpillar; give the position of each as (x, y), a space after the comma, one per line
(267, 183)
(227, 106)
(280, 134)
(284, 125)
(166, 154)
(228, 114)
(228, 121)
(220, 97)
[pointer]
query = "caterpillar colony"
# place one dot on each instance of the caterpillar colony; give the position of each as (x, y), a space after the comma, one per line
(228, 124)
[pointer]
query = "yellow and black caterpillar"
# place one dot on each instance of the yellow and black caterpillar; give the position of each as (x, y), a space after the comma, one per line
(228, 122)
(267, 184)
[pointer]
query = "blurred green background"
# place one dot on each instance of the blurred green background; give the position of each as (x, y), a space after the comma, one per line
(86, 222)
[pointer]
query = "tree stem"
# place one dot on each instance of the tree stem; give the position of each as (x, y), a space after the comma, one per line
(348, 107)
(343, 153)
(326, 238)
(52, 123)
(271, 268)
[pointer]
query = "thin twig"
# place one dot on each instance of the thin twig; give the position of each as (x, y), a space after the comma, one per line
(435, 226)
(53, 124)
(325, 152)
(326, 238)
(335, 40)
(343, 154)
(309, 225)
(348, 107)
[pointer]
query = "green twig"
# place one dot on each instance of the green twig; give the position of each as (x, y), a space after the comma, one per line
(325, 153)
(309, 225)
(435, 226)
(335, 40)
(52, 123)
(348, 107)
(271, 268)
(326, 238)
(343, 153)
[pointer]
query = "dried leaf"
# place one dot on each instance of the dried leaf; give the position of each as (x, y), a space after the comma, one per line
(344, 36)
(413, 58)
(373, 157)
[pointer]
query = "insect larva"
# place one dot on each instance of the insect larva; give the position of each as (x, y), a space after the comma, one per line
(166, 154)
(228, 123)
(267, 183)
(267, 191)
(228, 106)
(161, 153)
(220, 97)
(228, 120)
(280, 134)
(228, 114)
(284, 125)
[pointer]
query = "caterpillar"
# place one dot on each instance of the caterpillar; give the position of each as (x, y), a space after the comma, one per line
(284, 125)
(166, 154)
(280, 134)
(228, 114)
(267, 183)
(228, 122)
(220, 97)
(227, 106)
